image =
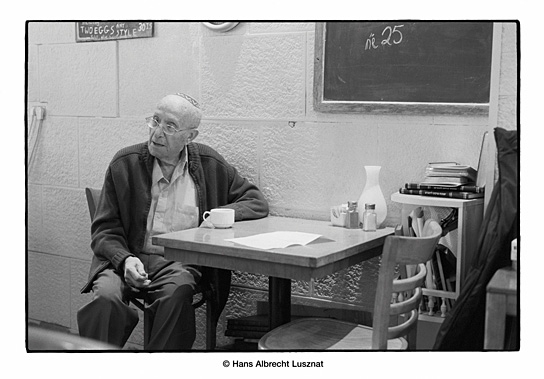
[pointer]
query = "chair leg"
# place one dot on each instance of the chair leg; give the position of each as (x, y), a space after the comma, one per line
(216, 299)
(211, 325)
(147, 329)
(412, 338)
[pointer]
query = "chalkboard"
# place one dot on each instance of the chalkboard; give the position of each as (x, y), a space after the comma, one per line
(403, 67)
(89, 31)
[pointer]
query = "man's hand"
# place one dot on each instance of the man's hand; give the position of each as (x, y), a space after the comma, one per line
(135, 275)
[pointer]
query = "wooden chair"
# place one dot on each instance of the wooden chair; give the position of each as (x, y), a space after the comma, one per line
(213, 288)
(331, 334)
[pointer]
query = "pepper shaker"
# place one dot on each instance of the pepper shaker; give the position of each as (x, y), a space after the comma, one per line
(352, 217)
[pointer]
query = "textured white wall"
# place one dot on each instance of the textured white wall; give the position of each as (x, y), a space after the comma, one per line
(251, 81)
(508, 84)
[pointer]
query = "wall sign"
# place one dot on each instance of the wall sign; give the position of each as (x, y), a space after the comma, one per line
(403, 67)
(89, 31)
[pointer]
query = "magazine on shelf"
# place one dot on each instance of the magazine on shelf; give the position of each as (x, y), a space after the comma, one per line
(449, 181)
(450, 194)
(452, 187)
(451, 170)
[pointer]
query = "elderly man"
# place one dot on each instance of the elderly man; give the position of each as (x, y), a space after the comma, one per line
(152, 188)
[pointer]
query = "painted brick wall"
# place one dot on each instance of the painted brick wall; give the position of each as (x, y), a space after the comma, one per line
(251, 81)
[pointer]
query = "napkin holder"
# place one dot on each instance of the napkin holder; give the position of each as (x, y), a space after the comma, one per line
(339, 215)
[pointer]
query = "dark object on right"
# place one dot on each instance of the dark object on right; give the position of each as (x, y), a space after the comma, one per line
(463, 328)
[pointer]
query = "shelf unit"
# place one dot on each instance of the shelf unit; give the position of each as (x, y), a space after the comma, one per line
(470, 215)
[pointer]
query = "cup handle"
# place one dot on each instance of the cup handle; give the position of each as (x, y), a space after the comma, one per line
(206, 215)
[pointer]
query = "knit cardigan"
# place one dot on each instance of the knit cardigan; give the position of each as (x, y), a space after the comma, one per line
(119, 225)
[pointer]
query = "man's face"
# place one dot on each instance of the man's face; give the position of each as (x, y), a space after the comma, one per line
(167, 148)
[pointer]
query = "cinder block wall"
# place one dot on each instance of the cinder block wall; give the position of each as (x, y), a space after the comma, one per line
(252, 82)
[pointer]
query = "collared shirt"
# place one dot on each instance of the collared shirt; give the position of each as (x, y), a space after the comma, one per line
(173, 203)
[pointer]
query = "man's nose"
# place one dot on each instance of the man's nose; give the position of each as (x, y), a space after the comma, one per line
(158, 131)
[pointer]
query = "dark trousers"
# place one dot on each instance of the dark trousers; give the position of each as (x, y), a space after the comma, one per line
(169, 314)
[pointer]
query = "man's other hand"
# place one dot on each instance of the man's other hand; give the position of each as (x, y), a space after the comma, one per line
(135, 275)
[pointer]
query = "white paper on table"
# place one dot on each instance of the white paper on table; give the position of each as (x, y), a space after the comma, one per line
(276, 240)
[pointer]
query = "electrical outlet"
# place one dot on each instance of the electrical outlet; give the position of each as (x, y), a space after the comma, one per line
(32, 105)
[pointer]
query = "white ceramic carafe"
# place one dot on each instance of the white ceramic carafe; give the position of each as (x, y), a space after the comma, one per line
(372, 194)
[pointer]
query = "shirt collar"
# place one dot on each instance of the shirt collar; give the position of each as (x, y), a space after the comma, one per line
(180, 170)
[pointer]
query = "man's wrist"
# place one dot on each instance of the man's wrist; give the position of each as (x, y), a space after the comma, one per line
(123, 263)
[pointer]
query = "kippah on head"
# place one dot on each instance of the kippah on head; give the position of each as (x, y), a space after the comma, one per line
(189, 99)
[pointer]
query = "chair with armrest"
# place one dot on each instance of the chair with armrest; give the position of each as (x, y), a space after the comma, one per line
(330, 334)
(213, 288)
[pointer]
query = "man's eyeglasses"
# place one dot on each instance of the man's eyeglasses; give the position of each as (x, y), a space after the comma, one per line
(168, 128)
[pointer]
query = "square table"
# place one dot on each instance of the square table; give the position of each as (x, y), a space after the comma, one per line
(336, 249)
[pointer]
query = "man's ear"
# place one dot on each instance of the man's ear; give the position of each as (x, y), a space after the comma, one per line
(192, 135)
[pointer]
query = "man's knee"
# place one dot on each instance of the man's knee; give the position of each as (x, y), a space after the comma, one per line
(175, 295)
(183, 294)
(104, 303)
(106, 295)
(108, 288)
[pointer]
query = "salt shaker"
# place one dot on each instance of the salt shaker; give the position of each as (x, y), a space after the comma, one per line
(369, 218)
(352, 217)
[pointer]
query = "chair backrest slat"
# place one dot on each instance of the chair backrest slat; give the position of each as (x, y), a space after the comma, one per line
(402, 285)
(405, 327)
(407, 304)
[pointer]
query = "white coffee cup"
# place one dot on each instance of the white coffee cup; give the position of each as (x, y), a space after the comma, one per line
(220, 217)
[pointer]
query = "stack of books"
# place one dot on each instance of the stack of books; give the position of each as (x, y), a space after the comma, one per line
(447, 179)
(249, 327)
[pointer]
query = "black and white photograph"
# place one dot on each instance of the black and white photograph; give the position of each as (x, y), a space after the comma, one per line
(251, 194)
